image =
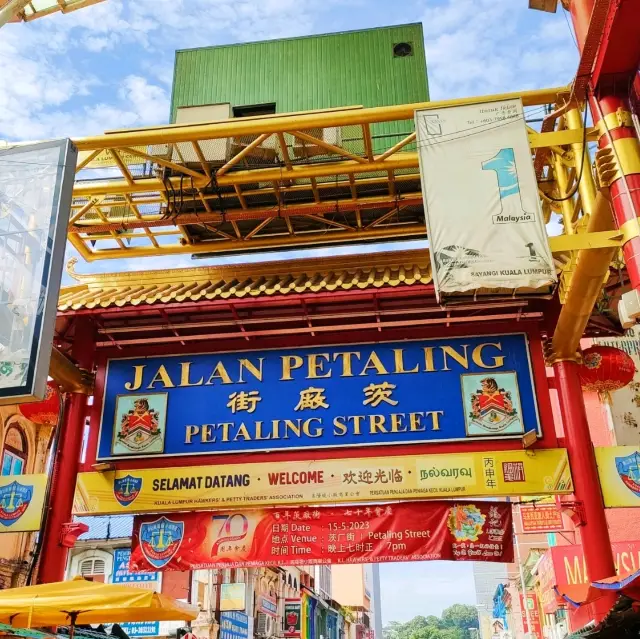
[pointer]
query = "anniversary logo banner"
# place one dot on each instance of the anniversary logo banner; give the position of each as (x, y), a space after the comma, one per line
(434, 390)
(363, 479)
(418, 531)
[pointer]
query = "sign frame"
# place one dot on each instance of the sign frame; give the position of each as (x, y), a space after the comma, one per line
(461, 475)
(539, 388)
(35, 384)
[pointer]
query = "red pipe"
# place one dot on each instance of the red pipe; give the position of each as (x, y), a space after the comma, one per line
(595, 533)
(65, 466)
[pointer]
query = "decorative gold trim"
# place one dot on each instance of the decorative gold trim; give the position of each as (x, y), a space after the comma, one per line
(615, 120)
(630, 230)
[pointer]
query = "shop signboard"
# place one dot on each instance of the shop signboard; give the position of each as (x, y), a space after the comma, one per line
(122, 575)
(268, 605)
(489, 234)
(232, 596)
(369, 479)
(541, 518)
(619, 471)
(292, 618)
(234, 625)
(531, 613)
(412, 531)
(36, 181)
(436, 390)
(21, 502)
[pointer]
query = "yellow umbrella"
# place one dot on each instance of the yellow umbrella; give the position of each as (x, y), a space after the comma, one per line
(87, 602)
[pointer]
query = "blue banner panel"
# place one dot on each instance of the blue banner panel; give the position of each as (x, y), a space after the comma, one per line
(434, 390)
(234, 625)
(121, 575)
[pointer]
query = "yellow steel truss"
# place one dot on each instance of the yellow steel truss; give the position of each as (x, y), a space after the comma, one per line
(28, 10)
(291, 180)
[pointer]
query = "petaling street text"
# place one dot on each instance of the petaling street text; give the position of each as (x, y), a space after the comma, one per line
(417, 422)
(350, 363)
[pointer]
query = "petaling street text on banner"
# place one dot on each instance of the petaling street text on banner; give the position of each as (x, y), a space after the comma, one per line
(417, 531)
(364, 479)
(485, 225)
(434, 390)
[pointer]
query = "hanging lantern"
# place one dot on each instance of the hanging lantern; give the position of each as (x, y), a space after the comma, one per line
(45, 412)
(605, 369)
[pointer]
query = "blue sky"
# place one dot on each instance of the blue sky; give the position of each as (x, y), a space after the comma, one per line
(110, 66)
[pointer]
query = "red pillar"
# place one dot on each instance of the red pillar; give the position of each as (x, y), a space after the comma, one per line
(594, 533)
(53, 557)
(625, 191)
(610, 96)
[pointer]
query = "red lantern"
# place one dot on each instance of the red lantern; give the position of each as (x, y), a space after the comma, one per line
(45, 412)
(605, 369)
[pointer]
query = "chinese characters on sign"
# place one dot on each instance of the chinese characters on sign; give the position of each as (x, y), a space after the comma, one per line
(389, 393)
(541, 518)
(370, 479)
(418, 531)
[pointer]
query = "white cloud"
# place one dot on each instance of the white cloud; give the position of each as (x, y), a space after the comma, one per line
(477, 47)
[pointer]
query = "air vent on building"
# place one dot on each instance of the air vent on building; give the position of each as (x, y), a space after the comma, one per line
(265, 625)
(402, 49)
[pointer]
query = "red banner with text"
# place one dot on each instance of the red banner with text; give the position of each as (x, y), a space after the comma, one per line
(413, 531)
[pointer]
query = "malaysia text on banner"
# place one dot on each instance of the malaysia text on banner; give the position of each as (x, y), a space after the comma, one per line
(417, 531)
(481, 199)
(432, 390)
(363, 479)
(21, 502)
(619, 471)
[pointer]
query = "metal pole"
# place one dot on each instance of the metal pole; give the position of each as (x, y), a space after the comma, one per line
(522, 583)
(594, 533)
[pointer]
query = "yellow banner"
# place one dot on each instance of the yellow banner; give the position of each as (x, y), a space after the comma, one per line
(21, 502)
(104, 159)
(375, 479)
(619, 471)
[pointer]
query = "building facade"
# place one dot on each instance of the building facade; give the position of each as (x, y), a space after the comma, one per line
(25, 448)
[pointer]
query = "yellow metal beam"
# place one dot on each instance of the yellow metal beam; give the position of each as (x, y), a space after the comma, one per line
(586, 285)
(257, 126)
(285, 241)
(582, 241)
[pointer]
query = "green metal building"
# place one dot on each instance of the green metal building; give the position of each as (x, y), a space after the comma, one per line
(372, 67)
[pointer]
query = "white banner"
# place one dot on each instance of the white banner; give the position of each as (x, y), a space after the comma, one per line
(36, 182)
(484, 221)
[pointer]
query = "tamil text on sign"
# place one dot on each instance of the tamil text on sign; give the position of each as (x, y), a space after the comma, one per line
(435, 390)
(415, 531)
(363, 479)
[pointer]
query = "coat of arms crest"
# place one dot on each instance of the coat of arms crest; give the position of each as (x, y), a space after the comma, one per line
(160, 540)
(14, 501)
(629, 471)
(493, 408)
(139, 423)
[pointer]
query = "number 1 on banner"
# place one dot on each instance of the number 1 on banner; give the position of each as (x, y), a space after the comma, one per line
(504, 165)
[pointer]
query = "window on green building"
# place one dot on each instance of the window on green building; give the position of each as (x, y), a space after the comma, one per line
(251, 110)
